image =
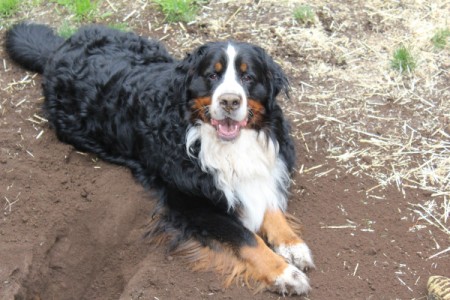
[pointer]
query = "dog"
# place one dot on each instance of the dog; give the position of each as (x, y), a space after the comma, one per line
(206, 133)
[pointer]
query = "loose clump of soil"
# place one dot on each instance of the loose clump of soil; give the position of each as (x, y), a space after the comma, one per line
(371, 185)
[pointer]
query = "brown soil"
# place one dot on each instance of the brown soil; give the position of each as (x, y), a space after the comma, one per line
(73, 226)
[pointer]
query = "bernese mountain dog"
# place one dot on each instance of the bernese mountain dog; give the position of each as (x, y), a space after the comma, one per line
(205, 132)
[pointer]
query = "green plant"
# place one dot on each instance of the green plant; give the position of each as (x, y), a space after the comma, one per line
(403, 60)
(439, 39)
(8, 7)
(304, 14)
(82, 9)
(119, 26)
(178, 10)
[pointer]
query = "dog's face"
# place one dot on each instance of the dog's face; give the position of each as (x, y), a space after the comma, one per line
(232, 86)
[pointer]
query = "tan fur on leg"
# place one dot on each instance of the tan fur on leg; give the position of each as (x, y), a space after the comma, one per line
(284, 240)
(251, 264)
(276, 229)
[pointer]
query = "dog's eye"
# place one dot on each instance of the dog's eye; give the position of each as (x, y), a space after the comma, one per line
(246, 78)
(213, 76)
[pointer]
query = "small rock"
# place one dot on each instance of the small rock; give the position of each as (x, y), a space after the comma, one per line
(371, 251)
(214, 288)
(367, 159)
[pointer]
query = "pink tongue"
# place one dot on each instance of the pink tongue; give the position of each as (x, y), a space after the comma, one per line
(228, 129)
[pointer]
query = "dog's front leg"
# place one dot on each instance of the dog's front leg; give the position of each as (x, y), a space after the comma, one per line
(285, 241)
(267, 267)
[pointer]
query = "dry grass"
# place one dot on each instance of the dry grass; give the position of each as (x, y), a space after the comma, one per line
(378, 123)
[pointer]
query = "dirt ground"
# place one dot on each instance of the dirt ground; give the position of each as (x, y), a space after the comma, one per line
(72, 226)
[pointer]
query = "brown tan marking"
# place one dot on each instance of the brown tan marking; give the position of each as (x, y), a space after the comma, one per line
(263, 264)
(252, 264)
(276, 230)
(243, 67)
(221, 260)
(257, 111)
(218, 67)
(200, 108)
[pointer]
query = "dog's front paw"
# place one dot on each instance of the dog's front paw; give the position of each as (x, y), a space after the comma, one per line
(296, 254)
(291, 281)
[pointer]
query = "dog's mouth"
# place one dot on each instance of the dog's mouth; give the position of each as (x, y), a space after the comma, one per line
(228, 129)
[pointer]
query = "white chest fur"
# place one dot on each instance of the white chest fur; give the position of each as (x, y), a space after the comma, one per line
(248, 171)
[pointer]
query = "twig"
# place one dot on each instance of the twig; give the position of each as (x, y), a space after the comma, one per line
(439, 253)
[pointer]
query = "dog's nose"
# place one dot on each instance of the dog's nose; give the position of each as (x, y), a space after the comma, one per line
(230, 102)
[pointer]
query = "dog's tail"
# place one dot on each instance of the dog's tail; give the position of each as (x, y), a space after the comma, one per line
(31, 45)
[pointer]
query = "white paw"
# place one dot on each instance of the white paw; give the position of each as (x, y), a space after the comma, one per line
(297, 254)
(291, 281)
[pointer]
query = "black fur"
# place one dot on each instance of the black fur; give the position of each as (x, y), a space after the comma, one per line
(39, 38)
(124, 98)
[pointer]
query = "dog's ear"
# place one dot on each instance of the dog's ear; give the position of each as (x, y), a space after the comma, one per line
(279, 79)
(188, 65)
(276, 78)
(185, 69)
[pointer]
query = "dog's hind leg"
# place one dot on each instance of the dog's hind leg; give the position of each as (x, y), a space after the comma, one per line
(219, 241)
(279, 234)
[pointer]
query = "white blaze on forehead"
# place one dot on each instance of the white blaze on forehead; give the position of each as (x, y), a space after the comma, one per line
(229, 85)
(230, 73)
